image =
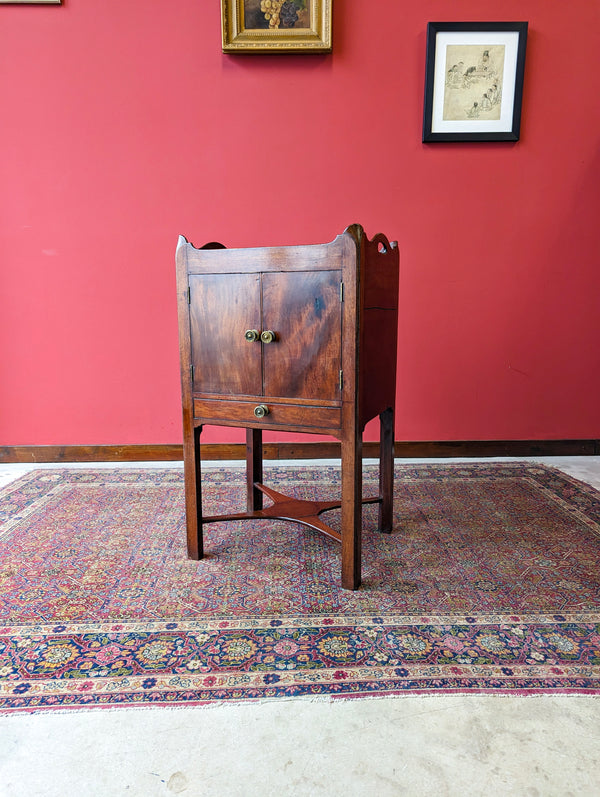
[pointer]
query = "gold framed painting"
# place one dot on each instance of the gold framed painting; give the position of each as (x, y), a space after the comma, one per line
(276, 26)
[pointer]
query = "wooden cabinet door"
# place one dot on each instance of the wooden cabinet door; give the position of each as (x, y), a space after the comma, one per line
(222, 308)
(303, 309)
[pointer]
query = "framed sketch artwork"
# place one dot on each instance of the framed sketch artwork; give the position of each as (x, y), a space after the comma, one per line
(474, 81)
(275, 26)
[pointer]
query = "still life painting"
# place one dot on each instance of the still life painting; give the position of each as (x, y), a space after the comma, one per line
(274, 14)
(271, 26)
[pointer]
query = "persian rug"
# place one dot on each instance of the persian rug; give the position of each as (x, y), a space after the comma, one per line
(489, 582)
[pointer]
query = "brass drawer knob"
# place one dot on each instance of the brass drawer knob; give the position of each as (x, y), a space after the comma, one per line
(267, 336)
(251, 335)
(261, 410)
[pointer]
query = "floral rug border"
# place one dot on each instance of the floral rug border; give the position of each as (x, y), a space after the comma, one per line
(197, 662)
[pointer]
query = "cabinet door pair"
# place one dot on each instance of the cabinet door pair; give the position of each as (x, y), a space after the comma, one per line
(303, 311)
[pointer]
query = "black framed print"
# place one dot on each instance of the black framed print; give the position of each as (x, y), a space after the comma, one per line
(474, 81)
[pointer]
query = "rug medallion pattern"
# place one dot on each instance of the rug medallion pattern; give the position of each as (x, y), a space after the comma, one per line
(488, 583)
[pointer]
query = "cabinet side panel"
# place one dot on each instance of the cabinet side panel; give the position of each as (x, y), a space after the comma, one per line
(379, 327)
(378, 356)
(183, 324)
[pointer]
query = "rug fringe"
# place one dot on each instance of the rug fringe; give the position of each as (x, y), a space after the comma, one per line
(319, 699)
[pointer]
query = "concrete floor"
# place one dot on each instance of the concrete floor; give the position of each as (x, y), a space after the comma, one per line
(443, 745)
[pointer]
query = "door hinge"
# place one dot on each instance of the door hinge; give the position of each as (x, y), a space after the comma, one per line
(341, 380)
(192, 372)
(341, 291)
(189, 295)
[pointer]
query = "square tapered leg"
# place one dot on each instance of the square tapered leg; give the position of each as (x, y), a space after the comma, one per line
(386, 471)
(254, 468)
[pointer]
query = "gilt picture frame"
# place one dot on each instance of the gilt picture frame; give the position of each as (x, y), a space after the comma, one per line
(474, 81)
(276, 26)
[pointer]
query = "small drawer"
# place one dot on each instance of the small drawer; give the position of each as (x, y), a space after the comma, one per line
(265, 413)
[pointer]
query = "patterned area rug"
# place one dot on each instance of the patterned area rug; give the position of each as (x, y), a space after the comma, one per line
(488, 583)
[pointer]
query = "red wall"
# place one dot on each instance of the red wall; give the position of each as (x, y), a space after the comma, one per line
(124, 125)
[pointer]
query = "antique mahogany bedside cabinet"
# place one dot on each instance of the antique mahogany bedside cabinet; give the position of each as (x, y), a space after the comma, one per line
(297, 339)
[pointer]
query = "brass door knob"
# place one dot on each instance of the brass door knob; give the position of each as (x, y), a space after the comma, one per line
(251, 335)
(267, 336)
(261, 410)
